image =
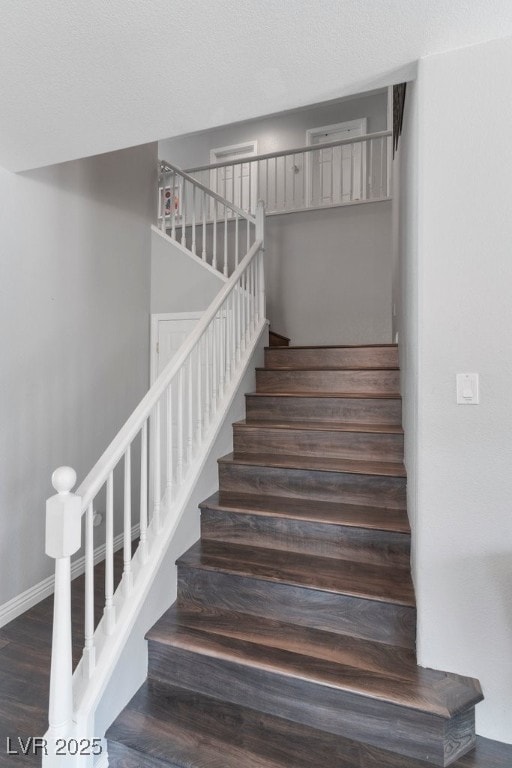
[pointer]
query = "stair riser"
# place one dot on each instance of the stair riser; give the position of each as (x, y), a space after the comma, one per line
(333, 357)
(335, 409)
(308, 537)
(405, 731)
(328, 381)
(368, 619)
(373, 490)
(330, 444)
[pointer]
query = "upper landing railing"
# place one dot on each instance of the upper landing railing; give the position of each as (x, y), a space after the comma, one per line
(325, 175)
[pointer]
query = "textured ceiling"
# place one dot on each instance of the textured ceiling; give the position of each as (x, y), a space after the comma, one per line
(81, 77)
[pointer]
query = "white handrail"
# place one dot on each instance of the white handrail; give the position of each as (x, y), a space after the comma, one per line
(187, 208)
(170, 168)
(98, 475)
(347, 171)
(287, 152)
(199, 382)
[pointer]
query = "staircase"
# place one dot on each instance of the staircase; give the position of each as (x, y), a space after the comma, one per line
(292, 642)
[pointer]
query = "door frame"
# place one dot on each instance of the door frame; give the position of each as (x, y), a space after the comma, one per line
(347, 125)
(246, 149)
(153, 336)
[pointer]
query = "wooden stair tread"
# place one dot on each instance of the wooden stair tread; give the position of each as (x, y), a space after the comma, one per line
(393, 661)
(349, 466)
(340, 346)
(330, 368)
(347, 577)
(426, 691)
(321, 393)
(160, 727)
(323, 426)
(353, 515)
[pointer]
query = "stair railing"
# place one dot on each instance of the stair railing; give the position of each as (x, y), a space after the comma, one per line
(324, 175)
(196, 217)
(163, 444)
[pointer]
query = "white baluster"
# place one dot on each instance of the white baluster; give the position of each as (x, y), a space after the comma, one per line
(260, 235)
(275, 185)
(127, 538)
(169, 446)
(199, 382)
(250, 187)
(341, 178)
(225, 241)
(162, 204)
(321, 181)
(157, 474)
(109, 611)
(215, 365)
(371, 173)
(284, 184)
(89, 649)
(243, 281)
(351, 172)
(266, 183)
(63, 534)
(306, 158)
(232, 200)
(180, 426)
(331, 198)
(184, 213)
(248, 228)
(143, 492)
(294, 166)
(190, 409)
(241, 188)
(193, 220)
(361, 191)
(207, 377)
(229, 332)
(214, 262)
(238, 289)
(236, 240)
(203, 203)
(382, 155)
(173, 206)
(222, 351)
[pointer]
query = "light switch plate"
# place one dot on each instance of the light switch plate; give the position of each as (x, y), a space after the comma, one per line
(468, 389)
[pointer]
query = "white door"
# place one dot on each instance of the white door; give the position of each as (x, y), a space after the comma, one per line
(237, 183)
(169, 331)
(337, 175)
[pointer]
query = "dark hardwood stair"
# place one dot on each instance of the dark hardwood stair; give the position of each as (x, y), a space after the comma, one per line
(371, 442)
(204, 732)
(292, 641)
(342, 531)
(373, 356)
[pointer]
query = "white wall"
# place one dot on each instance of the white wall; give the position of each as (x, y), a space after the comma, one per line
(284, 131)
(328, 274)
(179, 283)
(463, 229)
(74, 326)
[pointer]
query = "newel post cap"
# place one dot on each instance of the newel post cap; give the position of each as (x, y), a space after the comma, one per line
(63, 516)
(64, 479)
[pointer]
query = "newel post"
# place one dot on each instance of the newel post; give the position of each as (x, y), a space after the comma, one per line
(260, 235)
(63, 538)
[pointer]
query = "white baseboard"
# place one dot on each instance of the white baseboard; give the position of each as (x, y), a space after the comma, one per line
(21, 603)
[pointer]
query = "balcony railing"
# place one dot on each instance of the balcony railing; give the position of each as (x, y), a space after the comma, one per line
(325, 175)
